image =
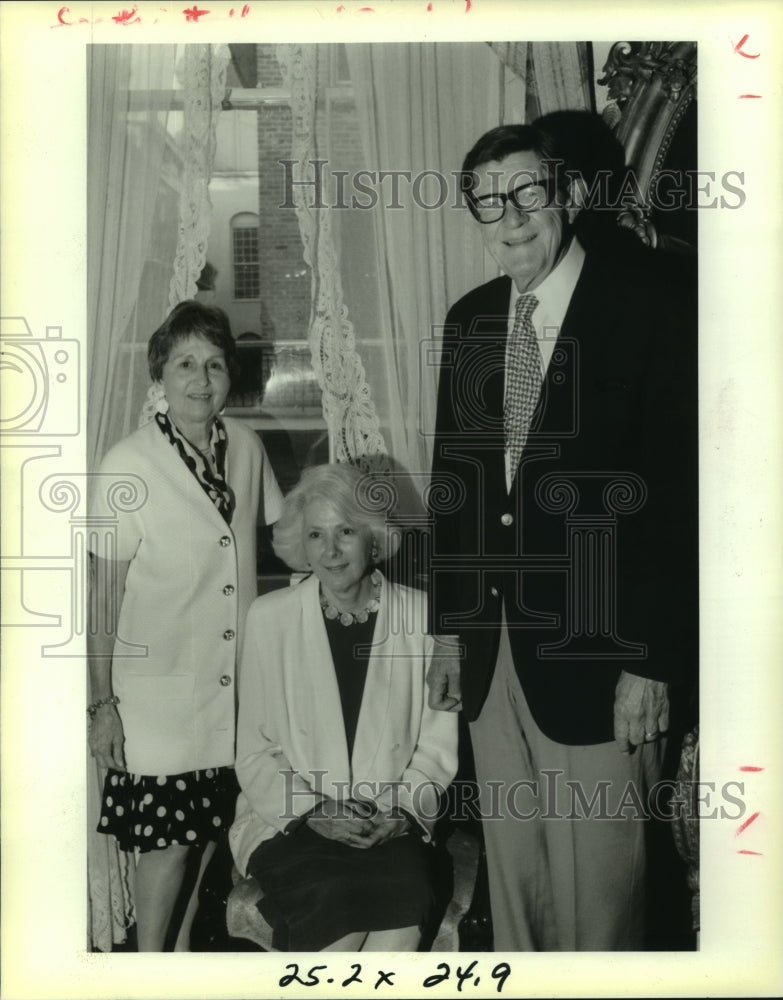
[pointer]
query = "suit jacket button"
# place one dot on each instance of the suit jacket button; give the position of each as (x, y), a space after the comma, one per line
(228, 634)
(228, 590)
(506, 519)
(225, 541)
(225, 680)
(493, 591)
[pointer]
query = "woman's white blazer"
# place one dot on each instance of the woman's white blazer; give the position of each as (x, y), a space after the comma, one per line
(190, 582)
(291, 746)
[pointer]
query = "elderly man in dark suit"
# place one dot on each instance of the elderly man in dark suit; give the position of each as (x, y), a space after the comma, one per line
(565, 563)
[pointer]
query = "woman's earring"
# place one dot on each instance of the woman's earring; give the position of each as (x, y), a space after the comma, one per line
(374, 553)
(161, 403)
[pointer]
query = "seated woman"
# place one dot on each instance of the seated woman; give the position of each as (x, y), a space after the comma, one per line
(340, 761)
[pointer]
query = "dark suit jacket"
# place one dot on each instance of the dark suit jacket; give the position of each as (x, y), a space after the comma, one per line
(594, 553)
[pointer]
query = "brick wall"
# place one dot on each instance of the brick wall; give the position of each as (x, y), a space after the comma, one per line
(285, 278)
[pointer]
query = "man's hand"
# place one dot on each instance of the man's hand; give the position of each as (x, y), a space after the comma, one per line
(443, 677)
(641, 711)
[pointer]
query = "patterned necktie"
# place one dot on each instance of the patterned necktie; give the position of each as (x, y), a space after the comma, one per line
(524, 377)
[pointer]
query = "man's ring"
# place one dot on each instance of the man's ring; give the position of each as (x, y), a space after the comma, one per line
(650, 736)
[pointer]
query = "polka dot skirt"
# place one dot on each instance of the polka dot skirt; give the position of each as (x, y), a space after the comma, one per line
(152, 812)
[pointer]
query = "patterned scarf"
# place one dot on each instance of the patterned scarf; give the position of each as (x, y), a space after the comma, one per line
(213, 483)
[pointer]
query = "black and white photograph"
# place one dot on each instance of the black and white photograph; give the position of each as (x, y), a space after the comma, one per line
(391, 526)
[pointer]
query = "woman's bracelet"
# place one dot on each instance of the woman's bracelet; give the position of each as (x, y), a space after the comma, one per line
(92, 709)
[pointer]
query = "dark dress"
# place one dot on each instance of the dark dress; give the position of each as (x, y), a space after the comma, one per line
(318, 890)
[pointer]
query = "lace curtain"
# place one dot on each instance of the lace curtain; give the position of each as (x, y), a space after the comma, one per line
(349, 411)
(382, 278)
(204, 85)
(202, 77)
(148, 170)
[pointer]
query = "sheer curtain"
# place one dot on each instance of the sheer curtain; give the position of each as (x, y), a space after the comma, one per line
(562, 75)
(420, 108)
(384, 276)
(148, 170)
(129, 175)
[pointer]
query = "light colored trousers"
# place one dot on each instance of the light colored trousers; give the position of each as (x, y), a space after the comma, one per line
(558, 883)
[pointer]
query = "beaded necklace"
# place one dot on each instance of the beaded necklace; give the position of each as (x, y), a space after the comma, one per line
(352, 617)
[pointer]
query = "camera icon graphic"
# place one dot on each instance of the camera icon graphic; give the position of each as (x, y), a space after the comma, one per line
(39, 381)
(477, 358)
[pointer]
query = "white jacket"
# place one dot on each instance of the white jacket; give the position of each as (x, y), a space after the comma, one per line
(290, 717)
(190, 582)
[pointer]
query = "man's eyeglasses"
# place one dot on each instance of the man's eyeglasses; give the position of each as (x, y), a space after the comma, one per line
(528, 197)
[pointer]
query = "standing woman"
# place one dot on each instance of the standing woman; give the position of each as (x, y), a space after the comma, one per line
(163, 666)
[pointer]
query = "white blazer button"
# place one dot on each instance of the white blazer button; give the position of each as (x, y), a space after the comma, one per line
(228, 634)
(493, 591)
(225, 541)
(225, 680)
(228, 590)
(507, 519)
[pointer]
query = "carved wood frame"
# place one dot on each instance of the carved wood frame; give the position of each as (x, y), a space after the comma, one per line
(650, 87)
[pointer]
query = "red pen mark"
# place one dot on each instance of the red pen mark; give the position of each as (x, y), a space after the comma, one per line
(429, 8)
(61, 16)
(758, 854)
(340, 9)
(749, 95)
(751, 767)
(127, 17)
(738, 48)
(366, 10)
(193, 13)
(468, 5)
(747, 823)
(245, 11)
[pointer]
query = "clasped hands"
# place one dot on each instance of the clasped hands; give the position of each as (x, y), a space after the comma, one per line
(353, 824)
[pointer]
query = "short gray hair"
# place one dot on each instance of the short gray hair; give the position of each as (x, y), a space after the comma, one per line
(363, 499)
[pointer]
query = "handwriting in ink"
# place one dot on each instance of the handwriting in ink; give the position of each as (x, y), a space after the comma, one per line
(753, 768)
(63, 23)
(746, 55)
(193, 13)
(127, 17)
(738, 49)
(500, 972)
(747, 823)
(355, 978)
(318, 974)
(312, 978)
